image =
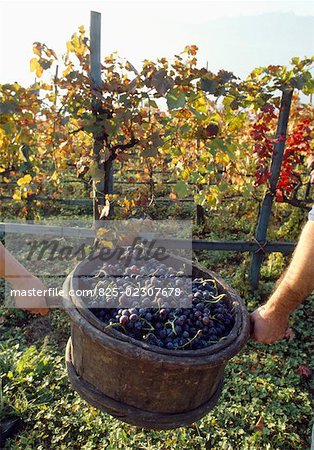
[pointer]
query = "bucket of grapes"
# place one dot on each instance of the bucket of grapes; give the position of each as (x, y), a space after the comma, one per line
(138, 353)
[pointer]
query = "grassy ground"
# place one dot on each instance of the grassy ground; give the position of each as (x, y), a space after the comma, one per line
(265, 404)
(266, 401)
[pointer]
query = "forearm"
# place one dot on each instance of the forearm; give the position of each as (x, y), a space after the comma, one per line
(10, 268)
(21, 279)
(298, 281)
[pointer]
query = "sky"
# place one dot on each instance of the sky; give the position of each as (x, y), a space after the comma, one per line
(231, 35)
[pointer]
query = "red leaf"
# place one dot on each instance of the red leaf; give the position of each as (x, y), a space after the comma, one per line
(304, 371)
(259, 426)
(123, 157)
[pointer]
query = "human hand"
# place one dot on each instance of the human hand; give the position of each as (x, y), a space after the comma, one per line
(35, 302)
(268, 326)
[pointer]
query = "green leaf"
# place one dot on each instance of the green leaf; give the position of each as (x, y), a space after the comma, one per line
(153, 104)
(230, 153)
(197, 113)
(150, 152)
(162, 82)
(200, 198)
(209, 85)
(223, 186)
(7, 108)
(175, 99)
(182, 189)
(309, 87)
(156, 139)
(299, 82)
(295, 61)
(96, 173)
(185, 128)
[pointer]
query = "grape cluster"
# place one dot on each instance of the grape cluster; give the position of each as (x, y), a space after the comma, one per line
(132, 281)
(207, 320)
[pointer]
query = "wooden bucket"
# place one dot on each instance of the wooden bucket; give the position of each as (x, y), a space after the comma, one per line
(142, 384)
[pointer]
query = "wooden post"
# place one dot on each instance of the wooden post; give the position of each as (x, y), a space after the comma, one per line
(105, 185)
(200, 215)
(95, 75)
(276, 161)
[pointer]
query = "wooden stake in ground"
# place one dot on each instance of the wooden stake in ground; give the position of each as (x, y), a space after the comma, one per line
(276, 161)
(102, 185)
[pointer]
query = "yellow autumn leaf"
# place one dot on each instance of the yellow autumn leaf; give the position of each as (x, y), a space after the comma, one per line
(128, 204)
(16, 196)
(107, 244)
(200, 104)
(24, 180)
(222, 158)
(33, 64)
(54, 176)
(101, 232)
(211, 199)
(75, 40)
(67, 70)
(39, 71)
(185, 174)
(69, 46)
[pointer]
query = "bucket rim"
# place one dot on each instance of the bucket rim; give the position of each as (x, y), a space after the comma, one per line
(215, 354)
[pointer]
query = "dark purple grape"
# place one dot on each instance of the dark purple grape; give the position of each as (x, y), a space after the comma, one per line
(138, 325)
(133, 317)
(148, 317)
(170, 327)
(124, 320)
(206, 320)
(178, 329)
(200, 306)
(162, 334)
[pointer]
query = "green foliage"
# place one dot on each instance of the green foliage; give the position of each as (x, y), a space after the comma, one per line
(260, 382)
(172, 114)
(266, 401)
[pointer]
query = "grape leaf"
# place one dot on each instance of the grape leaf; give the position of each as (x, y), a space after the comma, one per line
(161, 82)
(209, 85)
(182, 189)
(175, 99)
